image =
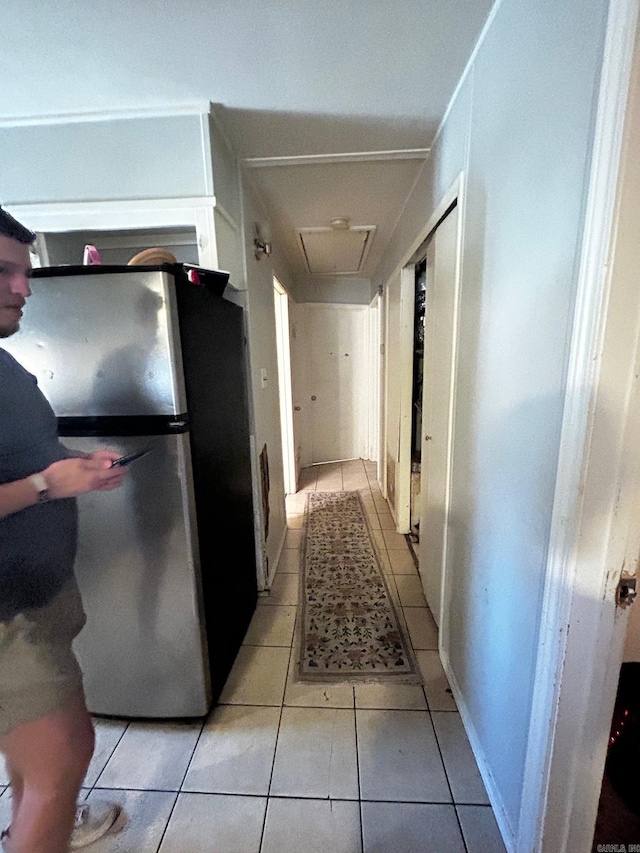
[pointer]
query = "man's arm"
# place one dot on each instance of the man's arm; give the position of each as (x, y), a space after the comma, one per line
(65, 479)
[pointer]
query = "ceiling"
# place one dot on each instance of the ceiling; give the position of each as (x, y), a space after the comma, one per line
(332, 105)
(369, 192)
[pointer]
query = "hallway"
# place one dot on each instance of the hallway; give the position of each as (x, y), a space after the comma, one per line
(285, 767)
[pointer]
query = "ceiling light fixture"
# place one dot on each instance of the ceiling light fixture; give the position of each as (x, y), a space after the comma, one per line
(340, 223)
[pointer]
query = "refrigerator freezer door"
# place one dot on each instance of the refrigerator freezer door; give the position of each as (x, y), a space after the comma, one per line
(104, 343)
(143, 650)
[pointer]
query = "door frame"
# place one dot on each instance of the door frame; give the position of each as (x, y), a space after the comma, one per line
(384, 408)
(196, 212)
(595, 529)
(396, 385)
(373, 383)
(429, 590)
(283, 347)
(441, 591)
(405, 353)
(454, 195)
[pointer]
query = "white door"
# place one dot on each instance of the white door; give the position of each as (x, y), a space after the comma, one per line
(437, 402)
(337, 376)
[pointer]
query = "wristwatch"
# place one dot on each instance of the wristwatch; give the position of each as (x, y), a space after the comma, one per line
(40, 484)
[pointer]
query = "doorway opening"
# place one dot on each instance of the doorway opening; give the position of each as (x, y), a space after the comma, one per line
(618, 818)
(432, 293)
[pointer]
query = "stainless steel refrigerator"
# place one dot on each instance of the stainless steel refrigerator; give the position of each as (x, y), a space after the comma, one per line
(137, 358)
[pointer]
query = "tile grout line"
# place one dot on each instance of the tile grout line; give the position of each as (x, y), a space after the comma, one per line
(355, 709)
(184, 776)
(273, 765)
(446, 773)
(95, 784)
(255, 796)
(275, 749)
(423, 685)
(355, 729)
(424, 691)
(355, 723)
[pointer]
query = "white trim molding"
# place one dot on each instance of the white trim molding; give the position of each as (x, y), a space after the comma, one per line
(199, 107)
(207, 156)
(196, 212)
(569, 661)
(329, 159)
(227, 217)
(109, 211)
(454, 193)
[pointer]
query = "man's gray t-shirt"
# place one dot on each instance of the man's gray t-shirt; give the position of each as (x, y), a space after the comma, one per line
(37, 544)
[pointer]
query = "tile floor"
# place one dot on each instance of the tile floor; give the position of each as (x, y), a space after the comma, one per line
(285, 767)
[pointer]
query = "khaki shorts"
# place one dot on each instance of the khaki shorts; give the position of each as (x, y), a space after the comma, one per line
(38, 669)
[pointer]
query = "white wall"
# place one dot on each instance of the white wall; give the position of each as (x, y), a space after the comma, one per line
(337, 289)
(228, 210)
(521, 129)
(119, 158)
(261, 327)
(225, 171)
(265, 57)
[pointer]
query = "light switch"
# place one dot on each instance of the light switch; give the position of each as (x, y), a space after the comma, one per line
(263, 377)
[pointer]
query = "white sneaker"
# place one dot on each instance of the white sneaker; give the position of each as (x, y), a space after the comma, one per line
(93, 820)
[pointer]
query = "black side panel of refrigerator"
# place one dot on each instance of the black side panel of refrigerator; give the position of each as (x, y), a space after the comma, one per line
(212, 334)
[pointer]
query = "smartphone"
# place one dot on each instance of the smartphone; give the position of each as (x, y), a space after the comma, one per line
(127, 460)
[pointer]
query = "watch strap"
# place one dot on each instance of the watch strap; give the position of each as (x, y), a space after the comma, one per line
(40, 484)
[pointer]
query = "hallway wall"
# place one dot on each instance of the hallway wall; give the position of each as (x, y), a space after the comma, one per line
(135, 157)
(521, 129)
(261, 334)
(333, 289)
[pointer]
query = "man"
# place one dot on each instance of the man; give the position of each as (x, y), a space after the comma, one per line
(46, 733)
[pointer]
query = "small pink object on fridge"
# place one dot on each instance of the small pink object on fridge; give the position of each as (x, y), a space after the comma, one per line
(91, 256)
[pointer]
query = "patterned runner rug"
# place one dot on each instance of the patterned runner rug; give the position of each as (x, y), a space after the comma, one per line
(351, 625)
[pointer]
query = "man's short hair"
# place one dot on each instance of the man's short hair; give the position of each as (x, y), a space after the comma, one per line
(10, 227)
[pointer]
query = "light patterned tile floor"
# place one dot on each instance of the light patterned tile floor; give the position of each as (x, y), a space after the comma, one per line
(285, 767)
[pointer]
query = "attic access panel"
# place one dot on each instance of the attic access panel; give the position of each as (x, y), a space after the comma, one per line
(331, 251)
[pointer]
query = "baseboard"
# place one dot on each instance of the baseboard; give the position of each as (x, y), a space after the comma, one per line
(504, 825)
(276, 561)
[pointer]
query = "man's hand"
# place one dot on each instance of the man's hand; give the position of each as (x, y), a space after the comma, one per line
(109, 456)
(71, 477)
(104, 454)
(67, 478)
